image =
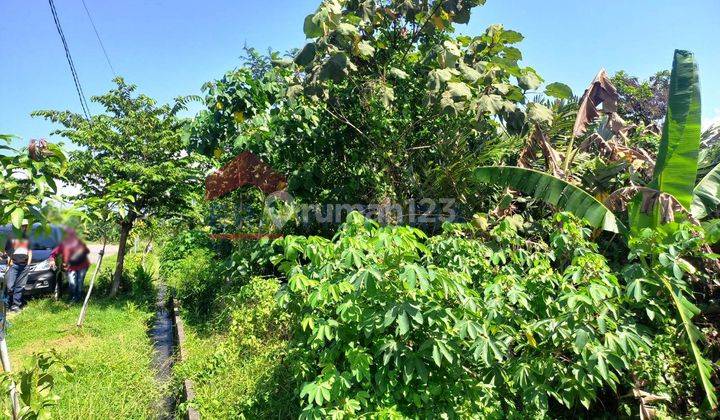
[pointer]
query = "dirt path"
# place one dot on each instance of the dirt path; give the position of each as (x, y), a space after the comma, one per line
(110, 249)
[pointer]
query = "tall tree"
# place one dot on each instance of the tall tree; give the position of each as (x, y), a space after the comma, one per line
(133, 157)
(385, 102)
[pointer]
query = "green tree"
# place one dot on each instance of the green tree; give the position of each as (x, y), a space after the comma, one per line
(384, 102)
(133, 157)
(642, 101)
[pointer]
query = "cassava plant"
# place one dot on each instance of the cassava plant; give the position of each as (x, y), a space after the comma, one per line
(478, 320)
(672, 192)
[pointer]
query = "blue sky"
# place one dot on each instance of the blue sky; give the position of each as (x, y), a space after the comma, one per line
(171, 47)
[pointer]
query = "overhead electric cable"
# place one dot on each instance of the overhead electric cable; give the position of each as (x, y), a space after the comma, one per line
(73, 71)
(97, 34)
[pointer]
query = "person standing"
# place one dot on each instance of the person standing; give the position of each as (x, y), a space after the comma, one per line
(75, 262)
(20, 257)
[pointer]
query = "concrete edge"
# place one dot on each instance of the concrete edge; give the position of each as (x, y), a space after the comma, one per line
(188, 388)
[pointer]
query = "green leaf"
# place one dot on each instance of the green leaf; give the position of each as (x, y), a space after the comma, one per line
(403, 323)
(602, 366)
(530, 80)
(491, 104)
(558, 90)
(397, 73)
(310, 28)
(335, 68)
(459, 91)
(706, 194)
(677, 161)
(437, 357)
(347, 29)
(687, 310)
(554, 191)
(364, 49)
(306, 55)
(17, 216)
(539, 113)
(469, 73)
(712, 231)
(581, 339)
(511, 37)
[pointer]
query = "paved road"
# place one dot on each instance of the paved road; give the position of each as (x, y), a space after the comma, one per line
(110, 249)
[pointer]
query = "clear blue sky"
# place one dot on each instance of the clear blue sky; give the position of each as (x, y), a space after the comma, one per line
(171, 47)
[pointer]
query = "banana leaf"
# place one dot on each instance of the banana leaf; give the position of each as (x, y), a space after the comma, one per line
(706, 195)
(554, 191)
(677, 163)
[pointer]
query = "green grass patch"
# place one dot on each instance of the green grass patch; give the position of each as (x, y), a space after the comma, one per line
(241, 372)
(111, 354)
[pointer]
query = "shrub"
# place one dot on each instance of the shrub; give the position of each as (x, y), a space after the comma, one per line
(137, 281)
(670, 269)
(178, 247)
(196, 279)
(504, 320)
(247, 375)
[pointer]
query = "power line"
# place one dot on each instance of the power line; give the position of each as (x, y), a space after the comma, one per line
(97, 34)
(73, 71)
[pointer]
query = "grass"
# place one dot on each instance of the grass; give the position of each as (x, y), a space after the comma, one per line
(232, 382)
(111, 354)
(238, 366)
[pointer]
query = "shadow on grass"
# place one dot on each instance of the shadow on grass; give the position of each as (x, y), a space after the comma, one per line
(275, 395)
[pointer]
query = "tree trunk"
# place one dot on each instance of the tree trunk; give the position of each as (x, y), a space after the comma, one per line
(125, 227)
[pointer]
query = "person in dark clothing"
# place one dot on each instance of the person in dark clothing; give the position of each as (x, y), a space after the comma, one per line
(75, 262)
(20, 257)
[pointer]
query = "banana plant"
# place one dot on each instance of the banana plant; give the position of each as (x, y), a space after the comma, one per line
(553, 190)
(673, 186)
(706, 195)
(674, 174)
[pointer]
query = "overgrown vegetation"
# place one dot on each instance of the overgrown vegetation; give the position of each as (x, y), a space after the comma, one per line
(578, 278)
(517, 308)
(384, 321)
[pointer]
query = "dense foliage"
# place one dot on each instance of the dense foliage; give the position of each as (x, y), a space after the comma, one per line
(382, 97)
(501, 317)
(131, 159)
(474, 321)
(642, 102)
(526, 311)
(28, 177)
(244, 375)
(579, 280)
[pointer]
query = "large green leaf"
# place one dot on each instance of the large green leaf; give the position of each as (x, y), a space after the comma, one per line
(706, 195)
(554, 191)
(677, 162)
(687, 311)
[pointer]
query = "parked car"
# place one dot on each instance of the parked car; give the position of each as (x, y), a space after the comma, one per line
(42, 278)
